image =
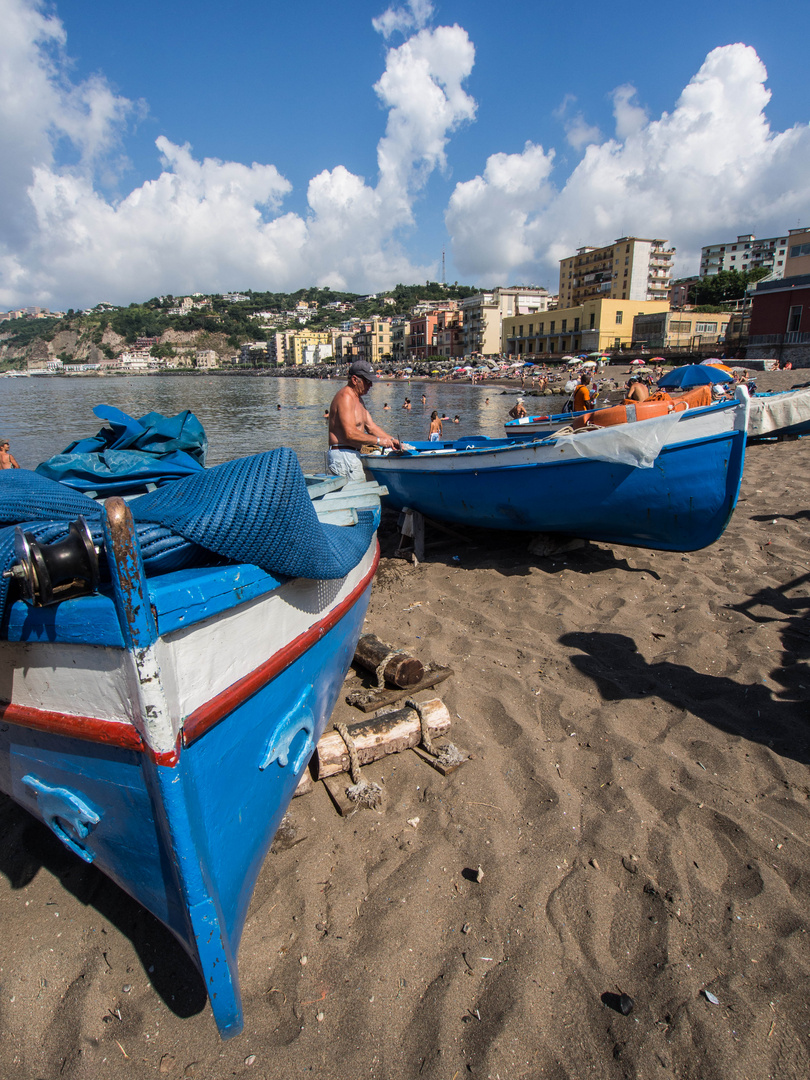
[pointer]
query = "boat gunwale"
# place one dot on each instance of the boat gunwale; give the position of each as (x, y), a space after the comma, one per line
(125, 736)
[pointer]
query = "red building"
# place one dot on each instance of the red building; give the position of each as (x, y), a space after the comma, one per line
(421, 338)
(780, 320)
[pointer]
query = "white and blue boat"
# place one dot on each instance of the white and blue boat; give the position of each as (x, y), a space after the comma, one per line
(670, 482)
(159, 711)
(779, 414)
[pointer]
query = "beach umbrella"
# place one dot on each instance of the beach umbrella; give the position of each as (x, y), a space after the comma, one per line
(589, 363)
(717, 364)
(636, 361)
(692, 375)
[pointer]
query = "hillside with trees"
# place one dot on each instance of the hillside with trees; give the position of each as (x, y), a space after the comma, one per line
(105, 329)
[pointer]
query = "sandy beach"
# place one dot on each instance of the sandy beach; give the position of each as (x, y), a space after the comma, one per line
(637, 799)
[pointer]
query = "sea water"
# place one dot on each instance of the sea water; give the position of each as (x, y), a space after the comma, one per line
(242, 415)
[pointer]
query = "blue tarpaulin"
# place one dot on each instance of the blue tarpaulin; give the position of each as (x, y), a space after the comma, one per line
(131, 454)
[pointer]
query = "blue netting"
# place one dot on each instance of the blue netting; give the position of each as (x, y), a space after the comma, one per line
(267, 517)
(255, 510)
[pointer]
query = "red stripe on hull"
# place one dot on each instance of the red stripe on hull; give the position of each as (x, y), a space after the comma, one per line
(126, 737)
(204, 718)
(90, 728)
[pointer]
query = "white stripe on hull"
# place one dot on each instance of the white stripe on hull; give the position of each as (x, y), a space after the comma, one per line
(195, 663)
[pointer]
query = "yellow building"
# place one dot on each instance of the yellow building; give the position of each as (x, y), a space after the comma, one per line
(628, 269)
(372, 341)
(687, 330)
(601, 325)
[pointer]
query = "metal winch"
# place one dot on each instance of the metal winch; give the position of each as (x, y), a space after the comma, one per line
(49, 573)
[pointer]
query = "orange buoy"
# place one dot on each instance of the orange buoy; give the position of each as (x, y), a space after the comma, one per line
(630, 411)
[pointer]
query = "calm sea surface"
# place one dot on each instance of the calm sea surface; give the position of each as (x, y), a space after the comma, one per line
(41, 415)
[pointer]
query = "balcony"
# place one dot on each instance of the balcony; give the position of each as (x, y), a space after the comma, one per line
(792, 337)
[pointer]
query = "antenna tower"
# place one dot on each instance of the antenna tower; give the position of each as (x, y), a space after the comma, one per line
(444, 282)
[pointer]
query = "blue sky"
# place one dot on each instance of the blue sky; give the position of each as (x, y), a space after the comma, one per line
(170, 147)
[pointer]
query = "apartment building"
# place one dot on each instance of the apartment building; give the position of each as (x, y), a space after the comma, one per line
(602, 325)
(628, 269)
(420, 342)
(680, 329)
(400, 331)
(798, 252)
(372, 341)
(745, 253)
(448, 339)
(483, 315)
(255, 353)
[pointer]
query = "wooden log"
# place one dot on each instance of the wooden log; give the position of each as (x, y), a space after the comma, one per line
(375, 699)
(401, 670)
(378, 736)
(305, 784)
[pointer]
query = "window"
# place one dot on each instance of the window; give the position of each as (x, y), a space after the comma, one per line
(531, 329)
(564, 325)
(794, 319)
(619, 316)
(706, 328)
(799, 249)
(520, 330)
(551, 328)
(576, 325)
(593, 321)
(540, 327)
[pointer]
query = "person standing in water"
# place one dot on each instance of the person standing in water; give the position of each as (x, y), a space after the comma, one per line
(7, 460)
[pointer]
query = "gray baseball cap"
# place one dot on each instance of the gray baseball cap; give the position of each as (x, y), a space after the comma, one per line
(362, 368)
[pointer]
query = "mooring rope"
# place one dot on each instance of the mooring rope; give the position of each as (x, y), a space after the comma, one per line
(379, 671)
(447, 755)
(361, 791)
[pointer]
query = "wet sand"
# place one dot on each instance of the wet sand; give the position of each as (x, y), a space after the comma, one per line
(638, 800)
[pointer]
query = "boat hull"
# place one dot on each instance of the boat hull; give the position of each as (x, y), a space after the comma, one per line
(682, 503)
(185, 825)
(776, 415)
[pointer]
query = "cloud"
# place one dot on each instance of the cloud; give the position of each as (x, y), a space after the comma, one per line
(711, 167)
(630, 118)
(578, 132)
(206, 225)
(414, 16)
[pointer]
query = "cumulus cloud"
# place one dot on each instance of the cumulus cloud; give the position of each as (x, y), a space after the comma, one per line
(415, 15)
(206, 225)
(578, 132)
(711, 167)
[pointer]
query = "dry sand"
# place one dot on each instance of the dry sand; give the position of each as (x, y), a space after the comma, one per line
(638, 800)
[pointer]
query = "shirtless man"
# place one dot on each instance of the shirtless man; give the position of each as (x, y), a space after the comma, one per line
(637, 391)
(351, 426)
(7, 460)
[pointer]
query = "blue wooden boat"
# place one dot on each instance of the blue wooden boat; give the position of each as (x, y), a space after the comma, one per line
(159, 725)
(670, 482)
